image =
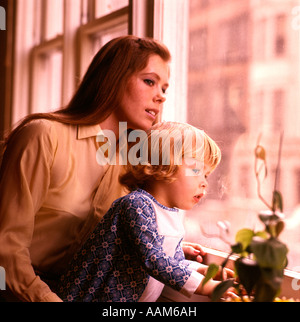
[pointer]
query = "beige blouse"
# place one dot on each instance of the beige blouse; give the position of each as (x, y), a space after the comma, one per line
(52, 194)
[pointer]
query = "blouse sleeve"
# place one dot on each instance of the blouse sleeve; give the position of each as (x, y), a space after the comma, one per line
(142, 231)
(24, 182)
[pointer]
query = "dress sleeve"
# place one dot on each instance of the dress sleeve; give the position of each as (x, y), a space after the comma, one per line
(142, 230)
(24, 182)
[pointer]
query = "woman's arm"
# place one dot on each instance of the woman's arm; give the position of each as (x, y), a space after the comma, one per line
(24, 182)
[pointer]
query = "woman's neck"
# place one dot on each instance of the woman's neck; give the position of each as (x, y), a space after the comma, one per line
(111, 123)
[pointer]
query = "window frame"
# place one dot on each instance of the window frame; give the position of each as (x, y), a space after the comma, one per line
(31, 44)
(215, 256)
(174, 34)
(145, 18)
(111, 21)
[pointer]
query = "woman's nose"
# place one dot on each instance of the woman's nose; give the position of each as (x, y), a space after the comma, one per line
(160, 97)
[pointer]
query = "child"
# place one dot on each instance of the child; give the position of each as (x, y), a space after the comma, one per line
(135, 249)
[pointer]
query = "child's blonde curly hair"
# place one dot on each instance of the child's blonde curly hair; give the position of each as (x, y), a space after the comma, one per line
(162, 152)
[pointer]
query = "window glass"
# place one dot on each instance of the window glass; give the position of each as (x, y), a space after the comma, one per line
(48, 81)
(103, 7)
(101, 38)
(244, 83)
(54, 13)
(54, 31)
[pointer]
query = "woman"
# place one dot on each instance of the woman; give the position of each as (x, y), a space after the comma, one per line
(52, 190)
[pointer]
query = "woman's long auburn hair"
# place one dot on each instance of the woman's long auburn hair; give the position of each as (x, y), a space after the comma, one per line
(104, 83)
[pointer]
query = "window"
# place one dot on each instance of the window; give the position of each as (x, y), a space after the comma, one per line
(259, 40)
(278, 110)
(238, 89)
(297, 184)
(280, 32)
(104, 7)
(234, 73)
(56, 40)
(198, 49)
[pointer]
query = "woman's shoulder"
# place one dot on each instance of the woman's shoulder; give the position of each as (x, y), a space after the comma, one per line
(43, 125)
(35, 132)
(38, 127)
(48, 129)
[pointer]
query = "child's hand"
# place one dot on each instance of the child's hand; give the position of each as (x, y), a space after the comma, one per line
(227, 273)
(209, 287)
(193, 251)
(202, 269)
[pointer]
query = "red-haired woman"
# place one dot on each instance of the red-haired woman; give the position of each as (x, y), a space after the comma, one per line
(52, 190)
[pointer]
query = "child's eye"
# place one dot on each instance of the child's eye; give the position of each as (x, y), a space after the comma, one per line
(196, 171)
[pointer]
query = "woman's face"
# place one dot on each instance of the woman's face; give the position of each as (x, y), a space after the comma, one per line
(144, 93)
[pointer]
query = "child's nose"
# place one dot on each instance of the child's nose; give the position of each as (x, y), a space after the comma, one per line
(203, 184)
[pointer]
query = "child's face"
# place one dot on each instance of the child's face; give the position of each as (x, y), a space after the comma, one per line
(189, 187)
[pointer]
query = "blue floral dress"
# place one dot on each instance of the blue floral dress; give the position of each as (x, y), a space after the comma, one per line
(125, 259)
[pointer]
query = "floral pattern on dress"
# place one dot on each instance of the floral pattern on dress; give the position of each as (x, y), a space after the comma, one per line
(118, 258)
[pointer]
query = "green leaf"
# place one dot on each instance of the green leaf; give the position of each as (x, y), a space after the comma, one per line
(273, 277)
(269, 216)
(270, 253)
(277, 201)
(221, 288)
(279, 228)
(264, 293)
(244, 237)
(237, 248)
(211, 273)
(269, 285)
(248, 272)
(263, 234)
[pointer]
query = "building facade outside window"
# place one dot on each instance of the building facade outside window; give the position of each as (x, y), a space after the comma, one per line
(243, 82)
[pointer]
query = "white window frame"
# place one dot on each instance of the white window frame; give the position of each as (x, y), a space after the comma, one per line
(174, 34)
(72, 43)
(113, 21)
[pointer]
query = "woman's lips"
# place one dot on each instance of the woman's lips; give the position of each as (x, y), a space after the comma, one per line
(152, 113)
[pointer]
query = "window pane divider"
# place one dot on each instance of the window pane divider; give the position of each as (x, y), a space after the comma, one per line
(114, 18)
(109, 21)
(49, 45)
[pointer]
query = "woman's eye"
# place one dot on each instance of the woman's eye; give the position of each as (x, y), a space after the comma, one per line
(149, 82)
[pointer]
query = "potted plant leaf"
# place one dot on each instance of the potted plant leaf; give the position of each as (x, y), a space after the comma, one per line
(261, 256)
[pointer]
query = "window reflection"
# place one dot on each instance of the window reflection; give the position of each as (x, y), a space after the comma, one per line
(243, 81)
